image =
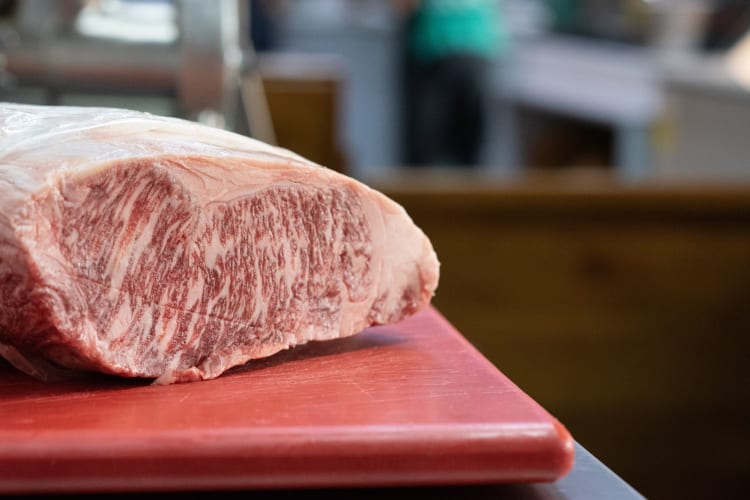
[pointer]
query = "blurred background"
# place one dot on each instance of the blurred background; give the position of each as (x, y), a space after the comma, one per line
(582, 167)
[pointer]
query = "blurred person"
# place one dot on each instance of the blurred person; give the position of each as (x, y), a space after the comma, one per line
(264, 24)
(449, 47)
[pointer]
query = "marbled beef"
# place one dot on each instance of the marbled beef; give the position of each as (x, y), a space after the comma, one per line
(153, 247)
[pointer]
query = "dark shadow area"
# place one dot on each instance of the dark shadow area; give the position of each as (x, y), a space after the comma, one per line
(368, 339)
(552, 141)
(15, 385)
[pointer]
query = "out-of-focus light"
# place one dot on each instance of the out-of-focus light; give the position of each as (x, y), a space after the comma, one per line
(129, 21)
(738, 62)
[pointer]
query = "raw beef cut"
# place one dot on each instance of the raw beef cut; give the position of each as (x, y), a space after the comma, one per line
(153, 247)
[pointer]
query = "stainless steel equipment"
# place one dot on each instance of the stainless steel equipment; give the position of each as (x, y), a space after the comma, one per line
(195, 51)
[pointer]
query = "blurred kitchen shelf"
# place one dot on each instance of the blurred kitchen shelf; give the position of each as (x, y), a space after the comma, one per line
(707, 119)
(602, 82)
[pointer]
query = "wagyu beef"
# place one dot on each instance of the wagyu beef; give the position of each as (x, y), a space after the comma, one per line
(153, 247)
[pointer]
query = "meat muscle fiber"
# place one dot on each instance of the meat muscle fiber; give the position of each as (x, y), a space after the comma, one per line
(146, 246)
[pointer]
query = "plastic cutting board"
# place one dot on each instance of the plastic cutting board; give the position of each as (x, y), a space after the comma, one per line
(406, 404)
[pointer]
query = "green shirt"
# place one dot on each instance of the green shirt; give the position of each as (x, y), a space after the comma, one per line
(444, 27)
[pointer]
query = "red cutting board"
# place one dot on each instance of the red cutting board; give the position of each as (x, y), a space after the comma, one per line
(406, 404)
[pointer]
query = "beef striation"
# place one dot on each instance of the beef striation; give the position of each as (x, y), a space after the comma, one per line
(153, 247)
